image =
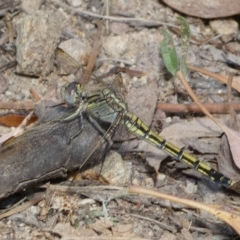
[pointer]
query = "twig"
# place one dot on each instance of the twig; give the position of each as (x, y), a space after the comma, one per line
(94, 53)
(14, 205)
(26, 105)
(118, 19)
(164, 226)
(211, 107)
(107, 14)
(8, 20)
(35, 94)
(126, 62)
(8, 65)
(116, 70)
(195, 99)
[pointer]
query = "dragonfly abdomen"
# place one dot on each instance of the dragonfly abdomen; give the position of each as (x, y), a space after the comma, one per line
(139, 129)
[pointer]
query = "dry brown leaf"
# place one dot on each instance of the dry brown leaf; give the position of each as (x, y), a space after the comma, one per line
(197, 128)
(206, 8)
(234, 143)
(14, 120)
(225, 161)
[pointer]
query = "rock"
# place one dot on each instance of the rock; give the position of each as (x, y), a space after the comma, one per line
(116, 171)
(37, 38)
(115, 46)
(227, 28)
(30, 6)
(75, 3)
(168, 236)
(113, 170)
(119, 28)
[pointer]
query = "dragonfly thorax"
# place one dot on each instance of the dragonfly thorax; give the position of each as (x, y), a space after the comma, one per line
(113, 101)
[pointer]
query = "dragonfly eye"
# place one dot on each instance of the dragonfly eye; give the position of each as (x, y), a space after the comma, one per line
(72, 93)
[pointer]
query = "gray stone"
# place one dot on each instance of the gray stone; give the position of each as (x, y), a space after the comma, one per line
(37, 38)
(30, 6)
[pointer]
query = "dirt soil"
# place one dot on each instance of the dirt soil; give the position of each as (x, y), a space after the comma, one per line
(47, 44)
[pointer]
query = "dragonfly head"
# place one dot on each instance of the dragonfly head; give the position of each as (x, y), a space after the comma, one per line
(72, 93)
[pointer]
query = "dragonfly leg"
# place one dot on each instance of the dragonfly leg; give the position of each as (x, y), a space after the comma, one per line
(80, 118)
(76, 114)
(100, 129)
(106, 135)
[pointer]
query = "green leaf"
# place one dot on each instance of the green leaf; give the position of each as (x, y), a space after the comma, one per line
(169, 53)
(185, 44)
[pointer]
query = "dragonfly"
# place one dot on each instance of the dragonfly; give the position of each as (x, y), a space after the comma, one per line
(108, 105)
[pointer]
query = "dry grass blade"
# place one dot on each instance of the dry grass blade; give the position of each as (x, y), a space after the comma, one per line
(22, 207)
(211, 107)
(217, 210)
(26, 105)
(18, 131)
(220, 78)
(35, 94)
(141, 21)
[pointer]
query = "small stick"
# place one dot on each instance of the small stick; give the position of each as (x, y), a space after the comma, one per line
(94, 53)
(193, 107)
(119, 19)
(26, 105)
(107, 14)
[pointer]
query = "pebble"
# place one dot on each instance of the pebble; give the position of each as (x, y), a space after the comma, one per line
(168, 120)
(227, 28)
(75, 3)
(34, 210)
(149, 182)
(136, 182)
(119, 28)
(114, 170)
(115, 46)
(168, 236)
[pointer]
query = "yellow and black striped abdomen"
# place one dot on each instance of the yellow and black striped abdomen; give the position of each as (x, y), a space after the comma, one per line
(139, 129)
